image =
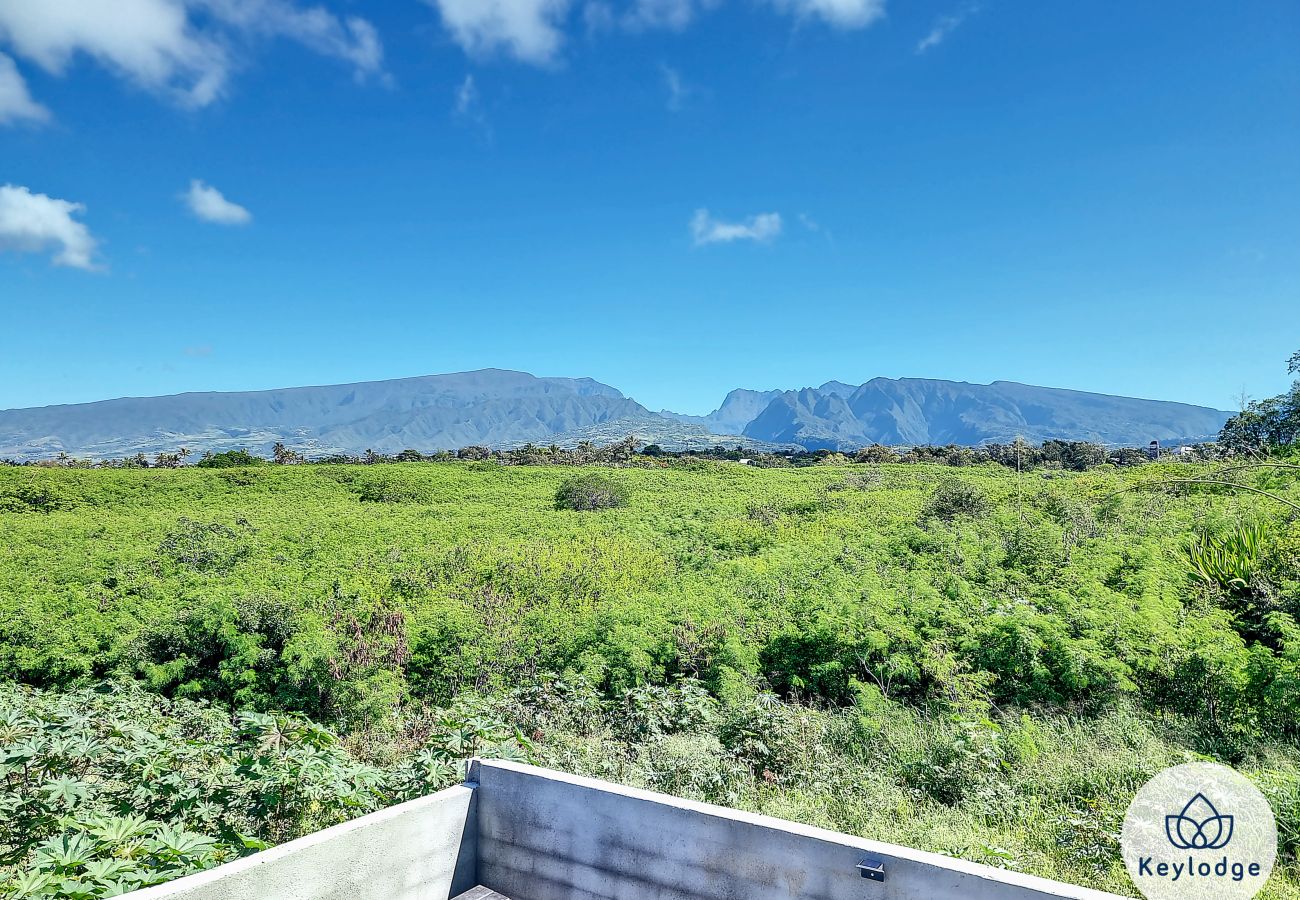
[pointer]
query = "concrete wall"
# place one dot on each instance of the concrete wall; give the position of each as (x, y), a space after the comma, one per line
(422, 850)
(535, 834)
(548, 836)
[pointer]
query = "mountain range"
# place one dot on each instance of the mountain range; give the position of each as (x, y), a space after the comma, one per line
(908, 411)
(502, 408)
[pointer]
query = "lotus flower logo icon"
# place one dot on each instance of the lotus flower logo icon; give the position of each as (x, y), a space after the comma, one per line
(1199, 826)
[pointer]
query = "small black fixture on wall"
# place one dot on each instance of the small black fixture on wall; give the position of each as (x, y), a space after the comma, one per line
(872, 868)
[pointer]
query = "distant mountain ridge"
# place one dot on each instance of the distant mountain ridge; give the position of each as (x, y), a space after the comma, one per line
(503, 408)
(907, 411)
(493, 407)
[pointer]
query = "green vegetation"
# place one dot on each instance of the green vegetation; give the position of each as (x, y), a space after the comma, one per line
(965, 659)
(113, 789)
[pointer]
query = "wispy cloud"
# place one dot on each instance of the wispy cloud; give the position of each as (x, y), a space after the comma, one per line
(678, 90)
(182, 48)
(943, 27)
(467, 98)
(816, 227)
(762, 228)
(36, 223)
(208, 204)
(16, 103)
(535, 31)
(643, 15)
(351, 39)
(467, 106)
(838, 13)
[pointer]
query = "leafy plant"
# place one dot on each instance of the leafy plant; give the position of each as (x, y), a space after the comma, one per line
(1228, 561)
(110, 789)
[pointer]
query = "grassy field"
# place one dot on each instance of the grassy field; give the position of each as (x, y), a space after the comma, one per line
(965, 660)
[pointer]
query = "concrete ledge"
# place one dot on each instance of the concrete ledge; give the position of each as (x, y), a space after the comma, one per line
(421, 850)
(545, 835)
(535, 834)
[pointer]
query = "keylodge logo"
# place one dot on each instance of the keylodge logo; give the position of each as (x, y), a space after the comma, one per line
(1199, 826)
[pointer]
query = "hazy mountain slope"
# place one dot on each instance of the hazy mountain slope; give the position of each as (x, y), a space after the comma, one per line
(921, 411)
(490, 406)
(807, 417)
(738, 409)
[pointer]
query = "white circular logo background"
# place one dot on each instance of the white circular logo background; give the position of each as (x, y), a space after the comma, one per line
(1199, 830)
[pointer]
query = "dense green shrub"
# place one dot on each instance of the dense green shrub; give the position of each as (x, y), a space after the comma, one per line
(955, 497)
(591, 490)
(385, 488)
(44, 495)
(964, 764)
(233, 653)
(206, 546)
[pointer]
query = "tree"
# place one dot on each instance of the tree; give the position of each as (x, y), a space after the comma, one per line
(876, 453)
(1265, 426)
(1129, 456)
(229, 459)
(284, 456)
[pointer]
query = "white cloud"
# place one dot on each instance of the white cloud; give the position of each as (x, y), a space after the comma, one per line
(16, 102)
(183, 48)
(34, 223)
(149, 42)
(840, 13)
(943, 26)
(761, 228)
(208, 204)
(529, 30)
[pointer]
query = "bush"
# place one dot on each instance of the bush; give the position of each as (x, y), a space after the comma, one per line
(231, 653)
(955, 497)
(393, 490)
(206, 546)
(962, 764)
(590, 491)
(39, 496)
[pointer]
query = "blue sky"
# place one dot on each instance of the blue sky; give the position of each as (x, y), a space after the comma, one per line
(673, 196)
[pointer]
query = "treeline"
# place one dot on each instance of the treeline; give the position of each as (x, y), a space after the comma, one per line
(1077, 456)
